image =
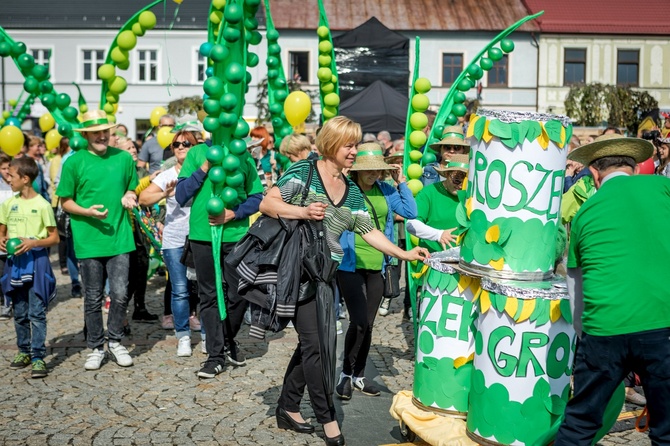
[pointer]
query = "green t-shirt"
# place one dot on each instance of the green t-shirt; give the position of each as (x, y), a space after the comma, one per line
(93, 179)
(368, 257)
(349, 214)
(620, 240)
(27, 218)
(199, 227)
(436, 208)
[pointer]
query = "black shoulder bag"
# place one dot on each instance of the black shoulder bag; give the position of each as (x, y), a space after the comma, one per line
(391, 286)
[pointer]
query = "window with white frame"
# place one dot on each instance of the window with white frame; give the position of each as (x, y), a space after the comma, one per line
(200, 66)
(147, 65)
(42, 56)
(91, 61)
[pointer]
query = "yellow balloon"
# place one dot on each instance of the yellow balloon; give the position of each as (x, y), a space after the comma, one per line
(11, 140)
(164, 137)
(297, 107)
(47, 122)
(156, 114)
(52, 139)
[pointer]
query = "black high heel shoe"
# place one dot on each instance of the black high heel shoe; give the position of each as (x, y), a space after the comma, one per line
(335, 441)
(284, 421)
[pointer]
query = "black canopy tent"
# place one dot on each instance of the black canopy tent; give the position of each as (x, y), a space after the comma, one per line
(368, 53)
(376, 108)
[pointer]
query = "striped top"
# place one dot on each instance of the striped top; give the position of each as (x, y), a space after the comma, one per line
(349, 214)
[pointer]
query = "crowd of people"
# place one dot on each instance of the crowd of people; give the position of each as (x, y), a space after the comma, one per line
(344, 184)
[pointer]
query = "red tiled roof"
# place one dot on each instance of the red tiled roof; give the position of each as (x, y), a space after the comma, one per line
(404, 15)
(651, 17)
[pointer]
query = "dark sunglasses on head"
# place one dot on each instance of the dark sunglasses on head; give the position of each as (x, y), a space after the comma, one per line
(185, 144)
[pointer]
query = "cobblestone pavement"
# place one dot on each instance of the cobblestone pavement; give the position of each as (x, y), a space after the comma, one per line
(161, 401)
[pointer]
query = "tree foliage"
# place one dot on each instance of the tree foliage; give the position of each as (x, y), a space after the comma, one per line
(262, 100)
(184, 106)
(593, 104)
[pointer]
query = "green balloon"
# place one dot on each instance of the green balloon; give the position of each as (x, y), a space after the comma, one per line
(229, 195)
(451, 119)
(276, 108)
(459, 109)
(252, 60)
(235, 179)
(231, 163)
(214, 87)
(234, 73)
(78, 142)
(218, 53)
(251, 23)
(507, 45)
(228, 101)
(40, 72)
(26, 61)
(211, 106)
(281, 95)
(273, 74)
(227, 119)
(464, 85)
(46, 87)
(272, 35)
(255, 38)
(237, 147)
(211, 124)
(70, 113)
(428, 158)
(214, 154)
(31, 85)
(48, 100)
(231, 34)
(274, 49)
(12, 244)
(217, 175)
(62, 100)
(65, 129)
(215, 206)
(459, 97)
(5, 49)
(241, 130)
(475, 71)
(233, 13)
(495, 54)
(486, 63)
(18, 48)
(272, 62)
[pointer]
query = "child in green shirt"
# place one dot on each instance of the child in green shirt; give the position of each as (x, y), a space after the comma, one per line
(28, 278)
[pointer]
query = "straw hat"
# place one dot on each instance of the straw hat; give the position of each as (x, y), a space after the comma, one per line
(394, 158)
(188, 123)
(94, 121)
(613, 145)
(452, 136)
(370, 157)
(459, 163)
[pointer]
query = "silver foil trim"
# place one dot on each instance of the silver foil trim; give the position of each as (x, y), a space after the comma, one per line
(444, 261)
(515, 116)
(553, 289)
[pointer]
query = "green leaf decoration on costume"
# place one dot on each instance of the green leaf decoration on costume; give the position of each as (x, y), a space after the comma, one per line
(498, 302)
(566, 312)
(480, 125)
(514, 139)
(534, 130)
(554, 129)
(500, 129)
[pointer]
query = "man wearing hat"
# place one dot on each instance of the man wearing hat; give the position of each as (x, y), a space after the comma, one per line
(452, 143)
(96, 187)
(616, 268)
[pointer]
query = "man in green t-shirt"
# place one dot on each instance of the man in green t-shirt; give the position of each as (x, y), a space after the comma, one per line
(96, 187)
(195, 184)
(616, 269)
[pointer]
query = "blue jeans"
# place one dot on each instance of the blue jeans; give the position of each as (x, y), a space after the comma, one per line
(93, 274)
(180, 303)
(601, 364)
(30, 321)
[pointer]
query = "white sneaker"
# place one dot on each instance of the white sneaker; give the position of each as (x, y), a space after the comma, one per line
(184, 346)
(338, 327)
(203, 347)
(94, 359)
(384, 307)
(120, 355)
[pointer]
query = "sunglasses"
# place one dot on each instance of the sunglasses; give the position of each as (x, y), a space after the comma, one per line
(184, 144)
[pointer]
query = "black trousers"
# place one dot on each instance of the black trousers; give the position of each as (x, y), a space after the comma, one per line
(137, 276)
(362, 291)
(219, 333)
(304, 369)
(601, 364)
